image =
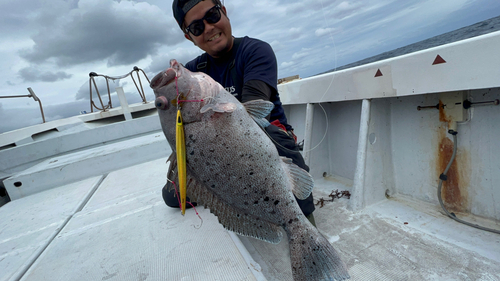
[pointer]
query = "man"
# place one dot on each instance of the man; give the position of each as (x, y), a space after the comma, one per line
(246, 67)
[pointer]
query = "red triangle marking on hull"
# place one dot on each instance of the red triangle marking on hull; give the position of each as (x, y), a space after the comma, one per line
(438, 60)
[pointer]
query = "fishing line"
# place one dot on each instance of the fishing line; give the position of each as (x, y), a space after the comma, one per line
(331, 81)
(326, 91)
(181, 160)
(179, 200)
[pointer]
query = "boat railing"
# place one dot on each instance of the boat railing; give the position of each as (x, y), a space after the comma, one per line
(30, 95)
(109, 105)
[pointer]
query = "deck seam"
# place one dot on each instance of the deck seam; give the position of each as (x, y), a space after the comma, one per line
(32, 260)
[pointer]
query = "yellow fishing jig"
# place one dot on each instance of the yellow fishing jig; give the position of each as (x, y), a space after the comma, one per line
(180, 145)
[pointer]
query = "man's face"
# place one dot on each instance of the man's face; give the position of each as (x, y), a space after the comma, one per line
(216, 39)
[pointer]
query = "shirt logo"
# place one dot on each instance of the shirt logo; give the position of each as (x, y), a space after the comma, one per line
(231, 90)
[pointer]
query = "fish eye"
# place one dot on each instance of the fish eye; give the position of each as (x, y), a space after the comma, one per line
(161, 103)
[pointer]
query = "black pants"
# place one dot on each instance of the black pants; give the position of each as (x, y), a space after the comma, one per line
(286, 148)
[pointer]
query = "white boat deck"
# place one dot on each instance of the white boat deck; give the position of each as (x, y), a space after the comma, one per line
(397, 239)
(116, 227)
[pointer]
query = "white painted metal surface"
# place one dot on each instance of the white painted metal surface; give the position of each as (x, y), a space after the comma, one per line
(118, 111)
(79, 165)
(71, 138)
(470, 64)
(30, 134)
(358, 196)
(404, 152)
(308, 133)
(123, 103)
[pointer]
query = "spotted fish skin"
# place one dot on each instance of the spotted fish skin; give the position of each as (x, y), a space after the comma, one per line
(235, 170)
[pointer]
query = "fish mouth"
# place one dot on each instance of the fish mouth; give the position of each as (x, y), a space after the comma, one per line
(163, 78)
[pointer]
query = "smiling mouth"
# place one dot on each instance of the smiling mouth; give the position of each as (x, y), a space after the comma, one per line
(213, 38)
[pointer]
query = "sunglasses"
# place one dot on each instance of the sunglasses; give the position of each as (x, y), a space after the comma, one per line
(198, 26)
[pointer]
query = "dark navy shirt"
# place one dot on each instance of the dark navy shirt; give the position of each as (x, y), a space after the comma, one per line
(253, 60)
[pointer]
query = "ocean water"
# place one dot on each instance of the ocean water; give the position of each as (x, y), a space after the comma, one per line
(470, 31)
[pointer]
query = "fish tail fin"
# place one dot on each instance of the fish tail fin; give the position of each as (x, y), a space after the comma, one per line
(312, 256)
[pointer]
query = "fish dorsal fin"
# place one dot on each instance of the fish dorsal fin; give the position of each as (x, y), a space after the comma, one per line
(230, 217)
(259, 109)
(302, 181)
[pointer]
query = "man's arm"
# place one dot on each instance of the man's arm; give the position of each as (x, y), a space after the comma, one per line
(260, 71)
(254, 90)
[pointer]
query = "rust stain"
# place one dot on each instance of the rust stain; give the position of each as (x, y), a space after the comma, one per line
(455, 190)
(442, 115)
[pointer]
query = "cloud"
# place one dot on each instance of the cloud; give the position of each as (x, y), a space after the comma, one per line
(345, 6)
(302, 53)
(295, 32)
(131, 93)
(162, 61)
(287, 64)
(33, 74)
(29, 117)
(119, 33)
(277, 46)
(29, 114)
(305, 8)
(84, 92)
(65, 110)
(325, 31)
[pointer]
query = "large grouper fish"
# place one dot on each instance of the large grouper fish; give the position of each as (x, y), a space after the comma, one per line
(234, 169)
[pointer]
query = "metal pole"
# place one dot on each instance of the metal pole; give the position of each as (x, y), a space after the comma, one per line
(142, 89)
(22, 96)
(32, 93)
(110, 105)
(308, 133)
(90, 87)
(357, 201)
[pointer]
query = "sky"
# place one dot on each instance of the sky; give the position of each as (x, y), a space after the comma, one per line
(53, 45)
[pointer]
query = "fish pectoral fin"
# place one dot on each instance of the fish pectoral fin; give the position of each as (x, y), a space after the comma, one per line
(302, 181)
(219, 107)
(258, 109)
